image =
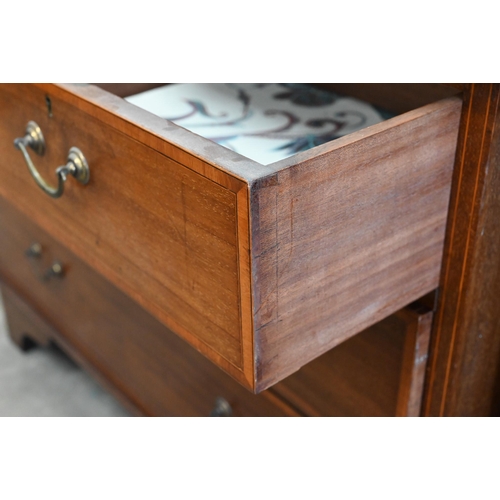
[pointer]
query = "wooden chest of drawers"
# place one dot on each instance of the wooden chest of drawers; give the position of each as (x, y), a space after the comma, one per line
(261, 268)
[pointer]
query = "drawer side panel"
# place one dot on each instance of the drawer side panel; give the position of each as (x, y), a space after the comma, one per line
(348, 237)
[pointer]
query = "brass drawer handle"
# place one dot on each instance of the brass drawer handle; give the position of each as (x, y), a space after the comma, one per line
(76, 164)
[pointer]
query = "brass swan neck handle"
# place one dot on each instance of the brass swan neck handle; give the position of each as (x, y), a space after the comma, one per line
(76, 164)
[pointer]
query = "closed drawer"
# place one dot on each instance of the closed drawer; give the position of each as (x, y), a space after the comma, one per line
(136, 357)
(261, 268)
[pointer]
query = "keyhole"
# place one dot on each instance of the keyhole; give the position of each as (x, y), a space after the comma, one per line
(49, 105)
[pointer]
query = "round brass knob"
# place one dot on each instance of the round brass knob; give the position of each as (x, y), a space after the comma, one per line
(56, 270)
(34, 250)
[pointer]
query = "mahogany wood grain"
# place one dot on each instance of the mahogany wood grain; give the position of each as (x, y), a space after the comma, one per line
(359, 377)
(379, 372)
(464, 376)
(146, 365)
(260, 267)
(195, 152)
(415, 355)
(345, 238)
(164, 234)
(155, 373)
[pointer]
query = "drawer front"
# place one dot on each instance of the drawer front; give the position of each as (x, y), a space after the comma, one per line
(156, 372)
(170, 238)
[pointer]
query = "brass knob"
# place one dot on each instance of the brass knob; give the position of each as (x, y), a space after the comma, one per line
(221, 408)
(56, 270)
(34, 250)
(76, 164)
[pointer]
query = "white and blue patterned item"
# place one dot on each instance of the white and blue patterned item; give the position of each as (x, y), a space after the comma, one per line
(264, 122)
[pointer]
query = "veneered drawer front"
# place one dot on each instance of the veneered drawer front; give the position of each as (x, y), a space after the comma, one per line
(156, 372)
(166, 235)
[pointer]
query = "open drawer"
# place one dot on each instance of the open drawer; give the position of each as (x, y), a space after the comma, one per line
(262, 268)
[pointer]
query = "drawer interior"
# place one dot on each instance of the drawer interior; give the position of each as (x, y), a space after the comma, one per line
(264, 122)
(270, 122)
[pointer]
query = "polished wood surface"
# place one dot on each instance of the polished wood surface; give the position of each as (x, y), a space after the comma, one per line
(341, 236)
(464, 370)
(345, 238)
(195, 152)
(464, 374)
(170, 238)
(153, 371)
